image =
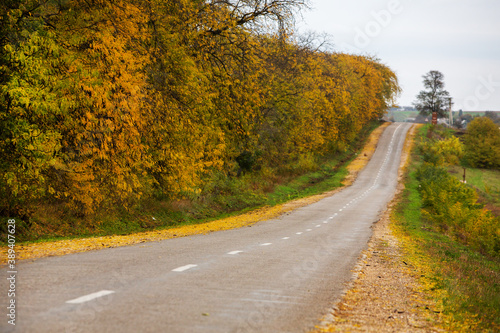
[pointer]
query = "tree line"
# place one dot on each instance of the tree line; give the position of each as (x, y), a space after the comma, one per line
(106, 102)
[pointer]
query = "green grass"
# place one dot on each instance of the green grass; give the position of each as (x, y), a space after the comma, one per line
(401, 116)
(486, 182)
(328, 178)
(464, 284)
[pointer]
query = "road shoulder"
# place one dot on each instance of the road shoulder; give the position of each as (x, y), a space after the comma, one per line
(385, 295)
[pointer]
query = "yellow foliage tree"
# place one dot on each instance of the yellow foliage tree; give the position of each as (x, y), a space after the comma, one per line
(106, 102)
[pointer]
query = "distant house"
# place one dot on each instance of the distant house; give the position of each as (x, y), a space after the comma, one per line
(443, 121)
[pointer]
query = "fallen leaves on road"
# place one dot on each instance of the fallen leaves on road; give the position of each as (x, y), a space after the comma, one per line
(62, 247)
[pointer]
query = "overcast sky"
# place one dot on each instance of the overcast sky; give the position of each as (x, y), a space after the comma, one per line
(460, 38)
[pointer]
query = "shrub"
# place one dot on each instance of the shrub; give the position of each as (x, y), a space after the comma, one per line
(453, 207)
(482, 144)
(442, 152)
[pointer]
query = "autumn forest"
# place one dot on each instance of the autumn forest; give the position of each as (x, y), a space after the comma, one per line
(105, 104)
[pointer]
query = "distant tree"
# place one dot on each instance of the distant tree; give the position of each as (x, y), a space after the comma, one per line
(495, 116)
(434, 98)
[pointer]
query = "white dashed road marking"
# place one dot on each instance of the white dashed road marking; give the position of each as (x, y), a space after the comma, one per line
(90, 297)
(184, 268)
(234, 252)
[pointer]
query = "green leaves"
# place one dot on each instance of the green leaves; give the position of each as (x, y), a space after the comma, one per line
(434, 98)
(452, 205)
(482, 144)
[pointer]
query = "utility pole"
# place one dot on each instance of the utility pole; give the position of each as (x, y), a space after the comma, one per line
(451, 113)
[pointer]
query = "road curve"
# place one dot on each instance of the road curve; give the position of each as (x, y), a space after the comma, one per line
(279, 275)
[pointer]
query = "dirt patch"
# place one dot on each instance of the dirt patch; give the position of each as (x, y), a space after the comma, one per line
(493, 207)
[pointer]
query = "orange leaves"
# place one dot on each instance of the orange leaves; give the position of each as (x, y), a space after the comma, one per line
(102, 146)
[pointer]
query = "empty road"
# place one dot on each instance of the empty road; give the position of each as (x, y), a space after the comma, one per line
(280, 275)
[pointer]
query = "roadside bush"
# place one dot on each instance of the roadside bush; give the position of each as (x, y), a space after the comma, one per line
(482, 144)
(228, 194)
(453, 207)
(304, 162)
(438, 187)
(442, 152)
(476, 227)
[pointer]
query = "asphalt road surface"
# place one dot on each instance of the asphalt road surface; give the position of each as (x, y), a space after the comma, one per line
(280, 275)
